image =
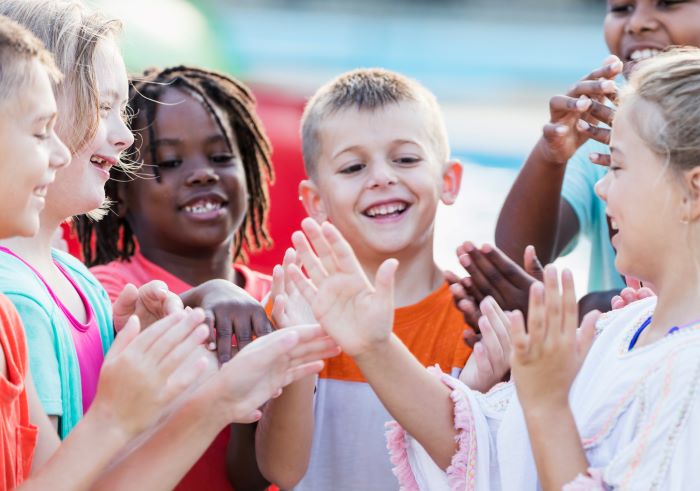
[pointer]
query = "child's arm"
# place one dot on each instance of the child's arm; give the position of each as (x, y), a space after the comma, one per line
(359, 316)
(141, 375)
(242, 467)
(534, 212)
(546, 360)
(270, 363)
(285, 432)
(231, 312)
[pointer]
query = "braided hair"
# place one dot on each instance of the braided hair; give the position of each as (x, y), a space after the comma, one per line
(223, 97)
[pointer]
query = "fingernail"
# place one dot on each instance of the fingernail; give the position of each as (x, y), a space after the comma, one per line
(582, 125)
(561, 130)
(607, 85)
(582, 102)
(486, 248)
(465, 260)
(616, 65)
(594, 156)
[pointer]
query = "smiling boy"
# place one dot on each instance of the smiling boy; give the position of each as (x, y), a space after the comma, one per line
(377, 157)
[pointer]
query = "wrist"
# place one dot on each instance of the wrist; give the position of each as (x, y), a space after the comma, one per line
(208, 406)
(112, 428)
(543, 154)
(377, 350)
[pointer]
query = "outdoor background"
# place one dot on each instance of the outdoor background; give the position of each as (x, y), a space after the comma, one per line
(492, 64)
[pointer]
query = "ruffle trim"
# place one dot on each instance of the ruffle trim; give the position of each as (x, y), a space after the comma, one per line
(593, 481)
(461, 474)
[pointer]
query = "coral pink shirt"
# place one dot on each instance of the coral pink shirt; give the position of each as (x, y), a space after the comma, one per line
(17, 435)
(210, 471)
(86, 336)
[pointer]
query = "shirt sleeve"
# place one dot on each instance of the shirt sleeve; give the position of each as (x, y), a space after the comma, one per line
(578, 188)
(42, 352)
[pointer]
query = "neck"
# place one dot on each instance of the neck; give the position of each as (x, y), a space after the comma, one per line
(36, 250)
(417, 277)
(195, 266)
(678, 301)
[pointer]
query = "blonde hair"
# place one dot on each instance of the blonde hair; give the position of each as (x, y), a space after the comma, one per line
(19, 48)
(368, 89)
(71, 33)
(666, 88)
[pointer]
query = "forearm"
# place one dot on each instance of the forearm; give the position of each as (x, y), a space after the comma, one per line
(426, 411)
(165, 457)
(530, 213)
(285, 432)
(82, 457)
(556, 445)
(241, 465)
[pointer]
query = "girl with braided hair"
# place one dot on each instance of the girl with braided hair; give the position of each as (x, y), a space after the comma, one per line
(197, 203)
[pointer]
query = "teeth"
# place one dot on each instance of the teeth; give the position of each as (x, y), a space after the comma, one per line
(613, 224)
(99, 161)
(383, 210)
(202, 207)
(643, 54)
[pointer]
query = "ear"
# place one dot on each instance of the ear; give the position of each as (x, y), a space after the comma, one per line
(451, 182)
(310, 197)
(692, 200)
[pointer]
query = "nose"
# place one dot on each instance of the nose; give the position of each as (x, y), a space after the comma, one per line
(601, 187)
(643, 19)
(121, 136)
(202, 176)
(60, 155)
(381, 173)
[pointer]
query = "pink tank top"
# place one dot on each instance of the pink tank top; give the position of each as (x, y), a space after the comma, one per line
(86, 337)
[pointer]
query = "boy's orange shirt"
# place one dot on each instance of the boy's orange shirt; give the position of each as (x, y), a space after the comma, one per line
(432, 330)
(18, 436)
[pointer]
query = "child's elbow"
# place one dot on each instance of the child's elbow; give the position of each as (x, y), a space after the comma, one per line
(285, 475)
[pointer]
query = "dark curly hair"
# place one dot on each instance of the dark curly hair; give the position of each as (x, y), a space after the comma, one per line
(112, 238)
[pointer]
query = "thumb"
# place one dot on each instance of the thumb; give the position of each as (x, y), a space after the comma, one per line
(124, 306)
(586, 333)
(127, 334)
(532, 263)
(385, 278)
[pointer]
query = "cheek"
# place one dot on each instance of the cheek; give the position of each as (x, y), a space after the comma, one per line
(612, 32)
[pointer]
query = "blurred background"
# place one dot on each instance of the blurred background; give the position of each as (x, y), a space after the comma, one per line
(492, 64)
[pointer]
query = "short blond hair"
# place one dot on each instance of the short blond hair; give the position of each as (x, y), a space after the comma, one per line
(18, 48)
(368, 89)
(71, 33)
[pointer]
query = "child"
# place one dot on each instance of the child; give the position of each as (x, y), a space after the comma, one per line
(552, 201)
(206, 164)
(624, 414)
(377, 157)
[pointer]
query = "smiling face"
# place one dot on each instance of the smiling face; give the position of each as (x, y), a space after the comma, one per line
(200, 198)
(31, 153)
(638, 29)
(379, 179)
(643, 198)
(79, 188)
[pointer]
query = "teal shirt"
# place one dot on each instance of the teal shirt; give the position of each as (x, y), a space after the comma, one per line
(52, 358)
(578, 190)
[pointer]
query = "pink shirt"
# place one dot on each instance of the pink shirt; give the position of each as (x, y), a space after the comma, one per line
(86, 336)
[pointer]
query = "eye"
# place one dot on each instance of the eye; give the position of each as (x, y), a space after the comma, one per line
(223, 158)
(168, 164)
(614, 168)
(352, 169)
(407, 160)
(670, 3)
(621, 8)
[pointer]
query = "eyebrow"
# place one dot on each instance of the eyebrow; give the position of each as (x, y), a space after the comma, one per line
(45, 117)
(178, 141)
(616, 150)
(110, 94)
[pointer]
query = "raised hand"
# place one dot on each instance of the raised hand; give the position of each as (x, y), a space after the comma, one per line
(574, 117)
(490, 360)
(633, 292)
(357, 314)
(547, 356)
(144, 372)
(150, 302)
(265, 366)
(289, 307)
(231, 313)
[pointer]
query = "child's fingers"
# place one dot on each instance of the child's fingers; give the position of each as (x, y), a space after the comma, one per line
(181, 351)
(124, 306)
(150, 336)
(532, 263)
(568, 108)
(175, 334)
(553, 132)
(302, 284)
(324, 251)
(483, 360)
(601, 112)
(312, 264)
(384, 281)
(277, 313)
(489, 340)
(519, 338)
(498, 321)
(311, 351)
(183, 376)
(510, 271)
(450, 277)
(497, 285)
(128, 333)
(553, 305)
(536, 321)
(645, 292)
(252, 417)
(470, 312)
(302, 371)
(586, 334)
(458, 292)
(344, 255)
(569, 305)
(598, 133)
(611, 68)
(616, 302)
(633, 283)
(628, 295)
(600, 158)
(277, 287)
(593, 88)
(290, 257)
